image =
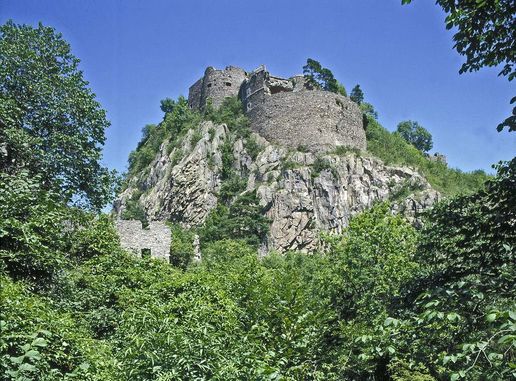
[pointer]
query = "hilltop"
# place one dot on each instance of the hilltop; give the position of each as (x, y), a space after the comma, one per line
(278, 160)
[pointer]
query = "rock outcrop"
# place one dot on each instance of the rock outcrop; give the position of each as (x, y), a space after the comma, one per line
(302, 193)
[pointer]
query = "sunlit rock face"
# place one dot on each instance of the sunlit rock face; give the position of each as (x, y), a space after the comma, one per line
(301, 193)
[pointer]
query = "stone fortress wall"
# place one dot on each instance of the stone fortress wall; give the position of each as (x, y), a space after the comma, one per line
(284, 111)
(216, 85)
(156, 238)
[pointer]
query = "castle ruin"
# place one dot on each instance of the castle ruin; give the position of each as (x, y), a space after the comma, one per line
(284, 110)
(154, 241)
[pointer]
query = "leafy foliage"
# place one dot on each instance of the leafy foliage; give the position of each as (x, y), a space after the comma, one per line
(181, 246)
(465, 304)
(381, 301)
(167, 105)
(357, 95)
(416, 135)
(319, 77)
(242, 219)
(485, 35)
(32, 224)
(230, 113)
(40, 343)
(50, 121)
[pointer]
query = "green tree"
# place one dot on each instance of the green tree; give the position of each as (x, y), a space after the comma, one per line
(463, 301)
(485, 35)
(368, 110)
(357, 95)
(167, 105)
(319, 77)
(47, 107)
(371, 263)
(416, 135)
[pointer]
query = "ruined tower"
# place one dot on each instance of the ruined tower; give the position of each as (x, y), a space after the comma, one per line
(216, 85)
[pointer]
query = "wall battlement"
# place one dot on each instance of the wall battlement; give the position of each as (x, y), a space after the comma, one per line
(157, 238)
(283, 110)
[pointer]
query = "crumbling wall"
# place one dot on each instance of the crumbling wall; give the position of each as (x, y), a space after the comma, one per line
(283, 111)
(156, 238)
(195, 95)
(316, 120)
(216, 85)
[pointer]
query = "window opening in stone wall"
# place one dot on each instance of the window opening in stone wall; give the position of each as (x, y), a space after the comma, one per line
(228, 83)
(146, 253)
(209, 84)
(278, 89)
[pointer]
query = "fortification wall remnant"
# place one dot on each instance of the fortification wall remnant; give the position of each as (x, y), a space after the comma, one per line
(315, 120)
(216, 85)
(157, 238)
(284, 110)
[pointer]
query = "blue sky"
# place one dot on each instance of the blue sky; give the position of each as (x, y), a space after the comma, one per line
(135, 53)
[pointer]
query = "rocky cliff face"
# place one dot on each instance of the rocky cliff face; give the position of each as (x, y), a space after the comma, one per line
(301, 193)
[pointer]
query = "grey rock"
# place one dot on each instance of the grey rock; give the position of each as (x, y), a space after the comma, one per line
(299, 202)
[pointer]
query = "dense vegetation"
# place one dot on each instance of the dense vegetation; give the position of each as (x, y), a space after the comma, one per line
(382, 301)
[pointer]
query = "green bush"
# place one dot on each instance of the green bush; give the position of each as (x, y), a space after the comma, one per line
(39, 342)
(32, 229)
(181, 246)
(242, 219)
(231, 113)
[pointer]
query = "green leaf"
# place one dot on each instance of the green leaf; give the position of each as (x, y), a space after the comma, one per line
(25, 367)
(17, 360)
(33, 354)
(39, 342)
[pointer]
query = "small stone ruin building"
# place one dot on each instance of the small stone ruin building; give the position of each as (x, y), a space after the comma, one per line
(153, 241)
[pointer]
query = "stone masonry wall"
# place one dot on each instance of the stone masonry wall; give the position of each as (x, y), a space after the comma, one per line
(282, 110)
(195, 94)
(157, 238)
(216, 85)
(316, 120)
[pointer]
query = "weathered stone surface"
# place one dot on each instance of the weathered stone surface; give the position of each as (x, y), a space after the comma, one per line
(155, 238)
(185, 191)
(283, 110)
(216, 85)
(315, 120)
(299, 202)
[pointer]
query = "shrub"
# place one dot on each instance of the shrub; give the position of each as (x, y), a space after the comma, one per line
(181, 246)
(39, 342)
(242, 219)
